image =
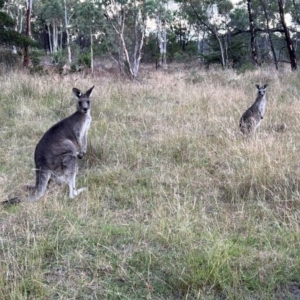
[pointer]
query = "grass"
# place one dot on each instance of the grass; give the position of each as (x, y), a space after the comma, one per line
(179, 205)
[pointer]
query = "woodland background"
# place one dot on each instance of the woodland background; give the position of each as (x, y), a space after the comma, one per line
(179, 205)
(239, 34)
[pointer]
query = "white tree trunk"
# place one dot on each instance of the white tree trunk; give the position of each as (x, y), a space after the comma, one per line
(139, 42)
(126, 59)
(165, 66)
(21, 23)
(26, 58)
(199, 41)
(67, 34)
(49, 36)
(55, 37)
(221, 47)
(162, 41)
(92, 53)
(61, 37)
(130, 68)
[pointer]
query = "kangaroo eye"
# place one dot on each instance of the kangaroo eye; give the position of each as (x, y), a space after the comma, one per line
(80, 102)
(88, 102)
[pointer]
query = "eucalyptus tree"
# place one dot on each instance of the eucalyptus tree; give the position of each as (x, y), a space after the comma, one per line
(211, 17)
(128, 20)
(288, 39)
(295, 14)
(89, 20)
(268, 18)
(163, 16)
(28, 31)
(67, 22)
(9, 34)
(50, 14)
(253, 43)
(16, 9)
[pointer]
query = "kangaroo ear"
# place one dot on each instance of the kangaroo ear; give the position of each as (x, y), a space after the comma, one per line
(265, 86)
(257, 86)
(89, 92)
(77, 92)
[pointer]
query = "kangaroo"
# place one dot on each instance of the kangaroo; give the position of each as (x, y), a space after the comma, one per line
(57, 151)
(252, 117)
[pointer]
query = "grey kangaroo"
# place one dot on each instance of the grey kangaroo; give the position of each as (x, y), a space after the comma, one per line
(252, 117)
(56, 153)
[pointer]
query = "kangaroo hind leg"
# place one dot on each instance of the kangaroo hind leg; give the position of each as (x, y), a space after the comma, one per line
(70, 166)
(42, 179)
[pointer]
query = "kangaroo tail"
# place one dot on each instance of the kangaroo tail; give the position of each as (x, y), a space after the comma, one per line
(12, 201)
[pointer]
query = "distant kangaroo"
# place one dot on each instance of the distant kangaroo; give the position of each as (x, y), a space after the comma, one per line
(56, 153)
(252, 117)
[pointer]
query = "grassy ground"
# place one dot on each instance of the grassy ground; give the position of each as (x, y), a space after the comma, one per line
(179, 205)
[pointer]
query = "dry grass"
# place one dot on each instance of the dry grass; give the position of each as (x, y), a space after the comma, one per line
(179, 204)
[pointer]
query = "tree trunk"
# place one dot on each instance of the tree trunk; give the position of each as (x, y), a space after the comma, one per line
(164, 58)
(159, 40)
(162, 41)
(125, 54)
(199, 42)
(289, 42)
(61, 37)
(214, 31)
(26, 58)
(54, 37)
(19, 22)
(138, 45)
(254, 55)
(221, 47)
(269, 34)
(92, 53)
(67, 34)
(49, 37)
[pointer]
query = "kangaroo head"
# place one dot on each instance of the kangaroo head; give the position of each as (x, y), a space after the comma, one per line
(261, 90)
(83, 103)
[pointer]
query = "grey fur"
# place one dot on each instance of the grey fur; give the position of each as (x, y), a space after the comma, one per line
(56, 153)
(252, 117)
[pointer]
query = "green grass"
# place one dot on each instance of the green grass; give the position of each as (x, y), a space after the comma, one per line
(179, 205)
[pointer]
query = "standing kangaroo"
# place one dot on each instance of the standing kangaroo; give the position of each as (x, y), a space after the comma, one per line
(56, 153)
(252, 117)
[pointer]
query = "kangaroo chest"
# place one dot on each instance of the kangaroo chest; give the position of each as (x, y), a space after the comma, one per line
(86, 125)
(262, 106)
(81, 128)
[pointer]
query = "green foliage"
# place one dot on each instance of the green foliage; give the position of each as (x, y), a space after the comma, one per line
(189, 53)
(172, 45)
(59, 59)
(8, 59)
(73, 67)
(6, 20)
(8, 36)
(236, 53)
(174, 49)
(11, 37)
(239, 18)
(84, 59)
(151, 50)
(35, 58)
